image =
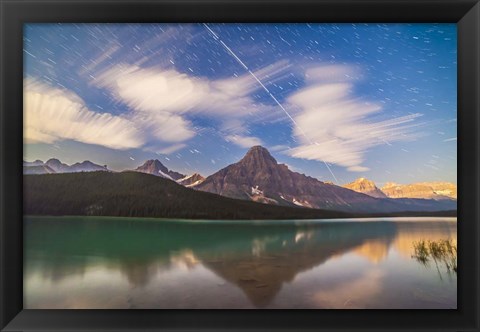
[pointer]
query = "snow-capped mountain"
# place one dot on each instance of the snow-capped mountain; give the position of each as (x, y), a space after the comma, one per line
(155, 167)
(365, 186)
(191, 180)
(426, 190)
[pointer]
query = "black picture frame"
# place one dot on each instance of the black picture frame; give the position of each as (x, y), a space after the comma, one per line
(14, 13)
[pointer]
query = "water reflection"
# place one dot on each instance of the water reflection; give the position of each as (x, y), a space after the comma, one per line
(180, 262)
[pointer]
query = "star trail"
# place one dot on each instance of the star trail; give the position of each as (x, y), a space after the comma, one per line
(333, 101)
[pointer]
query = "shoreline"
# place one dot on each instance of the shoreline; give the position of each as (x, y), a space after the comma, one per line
(261, 221)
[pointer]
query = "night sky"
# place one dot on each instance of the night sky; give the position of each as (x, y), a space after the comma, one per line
(333, 101)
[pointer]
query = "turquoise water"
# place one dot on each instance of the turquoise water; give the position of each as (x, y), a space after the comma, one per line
(93, 262)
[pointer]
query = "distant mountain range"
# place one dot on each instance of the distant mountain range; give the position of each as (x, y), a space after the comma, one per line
(428, 190)
(134, 194)
(56, 166)
(259, 178)
(424, 190)
(153, 167)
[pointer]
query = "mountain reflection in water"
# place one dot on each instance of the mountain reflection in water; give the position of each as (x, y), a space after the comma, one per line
(75, 262)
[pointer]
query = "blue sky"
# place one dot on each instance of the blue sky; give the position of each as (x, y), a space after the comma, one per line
(366, 100)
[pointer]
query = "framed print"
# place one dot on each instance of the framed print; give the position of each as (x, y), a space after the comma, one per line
(288, 158)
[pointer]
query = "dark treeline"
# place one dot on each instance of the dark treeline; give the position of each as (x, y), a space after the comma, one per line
(132, 194)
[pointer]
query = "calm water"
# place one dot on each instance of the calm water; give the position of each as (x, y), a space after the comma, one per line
(77, 262)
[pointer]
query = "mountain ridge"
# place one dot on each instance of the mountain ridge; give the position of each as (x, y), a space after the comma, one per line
(54, 165)
(429, 190)
(258, 177)
(135, 194)
(191, 180)
(155, 167)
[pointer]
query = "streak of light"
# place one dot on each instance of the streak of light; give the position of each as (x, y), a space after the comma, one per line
(229, 50)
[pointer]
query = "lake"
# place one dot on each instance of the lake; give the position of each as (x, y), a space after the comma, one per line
(107, 262)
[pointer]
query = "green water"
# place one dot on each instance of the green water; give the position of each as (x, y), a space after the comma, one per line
(89, 262)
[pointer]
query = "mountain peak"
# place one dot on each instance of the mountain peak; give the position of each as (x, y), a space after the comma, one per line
(53, 160)
(364, 181)
(57, 165)
(260, 178)
(153, 162)
(85, 166)
(258, 147)
(365, 186)
(258, 156)
(155, 167)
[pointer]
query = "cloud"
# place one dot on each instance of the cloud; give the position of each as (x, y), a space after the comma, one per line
(172, 148)
(358, 169)
(247, 84)
(123, 47)
(105, 55)
(51, 115)
(244, 141)
(160, 102)
(156, 94)
(158, 90)
(279, 147)
(453, 139)
(153, 90)
(163, 127)
(334, 126)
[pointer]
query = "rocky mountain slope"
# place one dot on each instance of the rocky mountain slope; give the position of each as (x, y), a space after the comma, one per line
(133, 194)
(191, 180)
(365, 186)
(425, 190)
(155, 167)
(258, 177)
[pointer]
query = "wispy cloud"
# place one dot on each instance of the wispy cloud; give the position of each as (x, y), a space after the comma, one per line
(280, 147)
(331, 124)
(336, 127)
(101, 59)
(124, 47)
(160, 103)
(52, 114)
(172, 148)
(244, 141)
(450, 139)
(155, 89)
(156, 94)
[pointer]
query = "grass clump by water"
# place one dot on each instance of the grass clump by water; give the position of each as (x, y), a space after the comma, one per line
(443, 251)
